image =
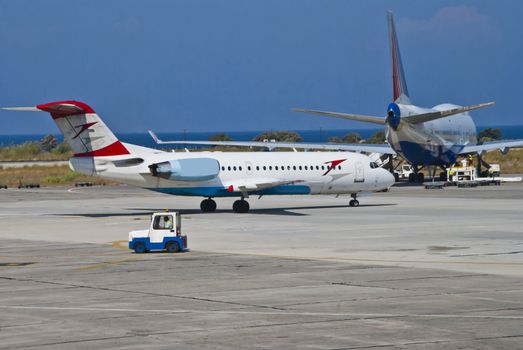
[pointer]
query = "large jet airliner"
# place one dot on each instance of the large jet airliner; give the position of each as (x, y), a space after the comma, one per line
(434, 136)
(98, 152)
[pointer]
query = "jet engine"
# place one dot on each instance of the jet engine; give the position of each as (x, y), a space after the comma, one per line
(393, 116)
(192, 169)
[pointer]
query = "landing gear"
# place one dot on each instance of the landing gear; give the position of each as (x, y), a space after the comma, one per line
(241, 206)
(396, 177)
(354, 202)
(208, 205)
(417, 175)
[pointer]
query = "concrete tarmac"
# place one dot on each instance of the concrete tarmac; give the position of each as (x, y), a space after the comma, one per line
(411, 268)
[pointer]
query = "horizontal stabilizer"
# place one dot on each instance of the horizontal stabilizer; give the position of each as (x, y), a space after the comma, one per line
(358, 117)
(425, 117)
(23, 109)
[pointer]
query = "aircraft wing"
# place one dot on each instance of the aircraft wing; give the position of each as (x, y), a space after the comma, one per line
(358, 117)
(413, 119)
(503, 146)
(254, 185)
(425, 117)
(368, 148)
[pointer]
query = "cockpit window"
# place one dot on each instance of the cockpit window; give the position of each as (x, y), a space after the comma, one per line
(374, 165)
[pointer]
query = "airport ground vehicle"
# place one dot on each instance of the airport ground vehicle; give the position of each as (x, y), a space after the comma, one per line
(403, 172)
(163, 234)
(494, 170)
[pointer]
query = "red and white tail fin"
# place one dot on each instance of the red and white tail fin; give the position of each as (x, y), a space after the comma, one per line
(82, 128)
(399, 83)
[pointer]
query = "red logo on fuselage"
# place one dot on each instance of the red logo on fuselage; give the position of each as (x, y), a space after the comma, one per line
(333, 164)
(83, 127)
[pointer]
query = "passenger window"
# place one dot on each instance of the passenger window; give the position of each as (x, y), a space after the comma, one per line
(223, 168)
(294, 167)
(229, 168)
(317, 167)
(276, 167)
(339, 167)
(299, 167)
(249, 168)
(306, 168)
(264, 167)
(234, 168)
(240, 168)
(323, 167)
(257, 168)
(270, 167)
(312, 167)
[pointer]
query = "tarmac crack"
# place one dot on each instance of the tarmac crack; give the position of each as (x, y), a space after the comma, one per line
(427, 278)
(142, 293)
(407, 344)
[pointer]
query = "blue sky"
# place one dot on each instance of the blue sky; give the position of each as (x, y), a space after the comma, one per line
(207, 65)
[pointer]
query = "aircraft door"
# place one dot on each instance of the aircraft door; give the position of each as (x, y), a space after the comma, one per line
(359, 174)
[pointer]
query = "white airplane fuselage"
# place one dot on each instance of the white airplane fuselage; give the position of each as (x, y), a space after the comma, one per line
(301, 172)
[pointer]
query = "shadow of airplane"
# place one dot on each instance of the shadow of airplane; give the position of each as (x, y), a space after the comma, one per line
(286, 211)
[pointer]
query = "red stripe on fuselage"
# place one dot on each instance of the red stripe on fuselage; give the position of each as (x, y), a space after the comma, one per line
(114, 149)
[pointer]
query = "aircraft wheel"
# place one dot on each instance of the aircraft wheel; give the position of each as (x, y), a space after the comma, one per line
(172, 247)
(208, 205)
(241, 206)
(412, 177)
(354, 203)
(420, 177)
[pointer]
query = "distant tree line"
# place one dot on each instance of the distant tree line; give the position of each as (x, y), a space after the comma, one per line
(489, 134)
(354, 137)
(291, 136)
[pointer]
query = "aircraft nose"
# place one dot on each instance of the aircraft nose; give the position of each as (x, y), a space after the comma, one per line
(386, 178)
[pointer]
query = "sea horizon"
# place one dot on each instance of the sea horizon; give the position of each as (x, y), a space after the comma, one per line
(317, 135)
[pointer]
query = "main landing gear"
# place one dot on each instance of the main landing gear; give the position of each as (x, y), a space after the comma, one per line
(417, 176)
(208, 205)
(240, 206)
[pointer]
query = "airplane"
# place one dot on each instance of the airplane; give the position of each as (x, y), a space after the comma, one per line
(97, 152)
(434, 136)
(424, 137)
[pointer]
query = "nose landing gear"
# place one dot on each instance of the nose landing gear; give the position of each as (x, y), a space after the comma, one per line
(354, 202)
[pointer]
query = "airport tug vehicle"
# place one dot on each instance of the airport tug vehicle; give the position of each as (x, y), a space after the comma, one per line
(164, 233)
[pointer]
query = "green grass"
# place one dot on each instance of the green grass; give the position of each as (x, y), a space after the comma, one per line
(44, 175)
(32, 151)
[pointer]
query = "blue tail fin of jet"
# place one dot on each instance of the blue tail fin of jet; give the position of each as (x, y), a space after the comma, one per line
(399, 84)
